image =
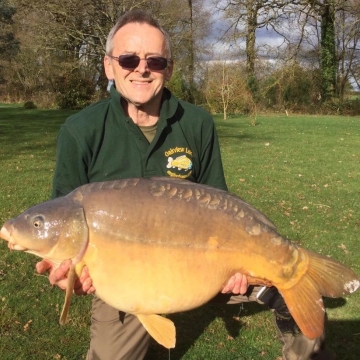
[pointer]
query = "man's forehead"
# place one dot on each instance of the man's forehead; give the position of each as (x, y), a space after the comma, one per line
(140, 30)
(135, 37)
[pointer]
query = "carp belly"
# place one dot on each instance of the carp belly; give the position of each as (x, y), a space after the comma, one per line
(151, 279)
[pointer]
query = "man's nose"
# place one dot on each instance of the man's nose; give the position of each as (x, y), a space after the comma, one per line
(143, 66)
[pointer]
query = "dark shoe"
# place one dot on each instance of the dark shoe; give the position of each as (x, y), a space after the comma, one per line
(273, 299)
(324, 355)
(296, 346)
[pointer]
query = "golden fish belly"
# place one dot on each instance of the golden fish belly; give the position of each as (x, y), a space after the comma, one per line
(142, 278)
(147, 278)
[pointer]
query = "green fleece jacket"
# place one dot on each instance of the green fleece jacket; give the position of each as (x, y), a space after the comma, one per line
(101, 143)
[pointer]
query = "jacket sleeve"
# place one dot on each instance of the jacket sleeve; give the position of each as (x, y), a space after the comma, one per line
(211, 167)
(70, 169)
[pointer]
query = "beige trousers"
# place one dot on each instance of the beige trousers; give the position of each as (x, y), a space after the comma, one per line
(118, 336)
(115, 335)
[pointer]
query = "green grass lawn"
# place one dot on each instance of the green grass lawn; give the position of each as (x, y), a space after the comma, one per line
(303, 172)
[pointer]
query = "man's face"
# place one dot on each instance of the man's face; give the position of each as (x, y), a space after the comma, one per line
(141, 87)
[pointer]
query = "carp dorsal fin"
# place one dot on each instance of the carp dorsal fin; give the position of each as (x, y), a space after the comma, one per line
(68, 294)
(160, 328)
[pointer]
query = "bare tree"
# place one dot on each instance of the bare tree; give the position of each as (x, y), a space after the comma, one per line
(189, 34)
(67, 39)
(244, 18)
(226, 91)
(326, 11)
(355, 68)
(339, 36)
(327, 28)
(347, 45)
(9, 44)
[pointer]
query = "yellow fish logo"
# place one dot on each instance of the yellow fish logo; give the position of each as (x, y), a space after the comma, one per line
(181, 162)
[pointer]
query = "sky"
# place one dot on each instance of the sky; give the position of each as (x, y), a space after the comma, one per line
(264, 37)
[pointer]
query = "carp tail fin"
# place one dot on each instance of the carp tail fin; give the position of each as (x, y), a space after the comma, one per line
(68, 295)
(324, 277)
(306, 306)
(160, 328)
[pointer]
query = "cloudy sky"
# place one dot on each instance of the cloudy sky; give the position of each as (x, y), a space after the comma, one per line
(265, 38)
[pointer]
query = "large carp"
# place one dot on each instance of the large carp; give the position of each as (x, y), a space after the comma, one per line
(159, 245)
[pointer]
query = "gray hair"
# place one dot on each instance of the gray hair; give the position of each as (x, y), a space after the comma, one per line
(142, 17)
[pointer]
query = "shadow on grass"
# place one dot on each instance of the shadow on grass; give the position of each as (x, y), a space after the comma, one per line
(231, 130)
(30, 129)
(342, 337)
(234, 130)
(190, 326)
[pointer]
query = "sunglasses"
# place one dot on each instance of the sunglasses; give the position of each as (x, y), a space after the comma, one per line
(154, 63)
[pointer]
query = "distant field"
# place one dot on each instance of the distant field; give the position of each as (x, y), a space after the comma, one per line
(303, 172)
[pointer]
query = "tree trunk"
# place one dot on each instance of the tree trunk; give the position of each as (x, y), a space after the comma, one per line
(191, 55)
(328, 54)
(250, 38)
(252, 23)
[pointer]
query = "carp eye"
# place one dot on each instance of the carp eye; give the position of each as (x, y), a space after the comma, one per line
(38, 222)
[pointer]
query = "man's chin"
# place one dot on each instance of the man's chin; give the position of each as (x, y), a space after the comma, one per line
(150, 105)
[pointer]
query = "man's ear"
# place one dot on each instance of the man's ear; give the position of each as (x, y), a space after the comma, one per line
(108, 67)
(169, 70)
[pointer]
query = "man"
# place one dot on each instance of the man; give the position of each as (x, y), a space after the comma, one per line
(141, 130)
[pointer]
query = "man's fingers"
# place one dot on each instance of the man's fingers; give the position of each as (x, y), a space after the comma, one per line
(244, 285)
(58, 276)
(62, 284)
(83, 285)
(60, 273)
(241, 285)
(229, 286)
(43, 266)
(237, 284)
(84, 288)
(84, 274)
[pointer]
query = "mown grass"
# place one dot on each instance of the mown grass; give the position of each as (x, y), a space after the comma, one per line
(303, 172)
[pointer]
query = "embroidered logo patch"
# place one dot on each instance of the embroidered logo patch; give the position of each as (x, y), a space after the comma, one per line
(179, 162)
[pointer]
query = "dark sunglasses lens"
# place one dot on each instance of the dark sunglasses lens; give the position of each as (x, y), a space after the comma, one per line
(129, 61)
(132, 62)
(156, 63)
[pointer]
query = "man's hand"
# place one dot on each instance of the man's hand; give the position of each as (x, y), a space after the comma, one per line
(82, 286)
(237, 284)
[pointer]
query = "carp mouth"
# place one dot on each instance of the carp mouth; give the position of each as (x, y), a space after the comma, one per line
(13, 246)
(6, 235)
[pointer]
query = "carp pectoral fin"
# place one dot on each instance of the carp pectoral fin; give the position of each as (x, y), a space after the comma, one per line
(323, 277)
(160, 328)
(258, 281)
(68, 294)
